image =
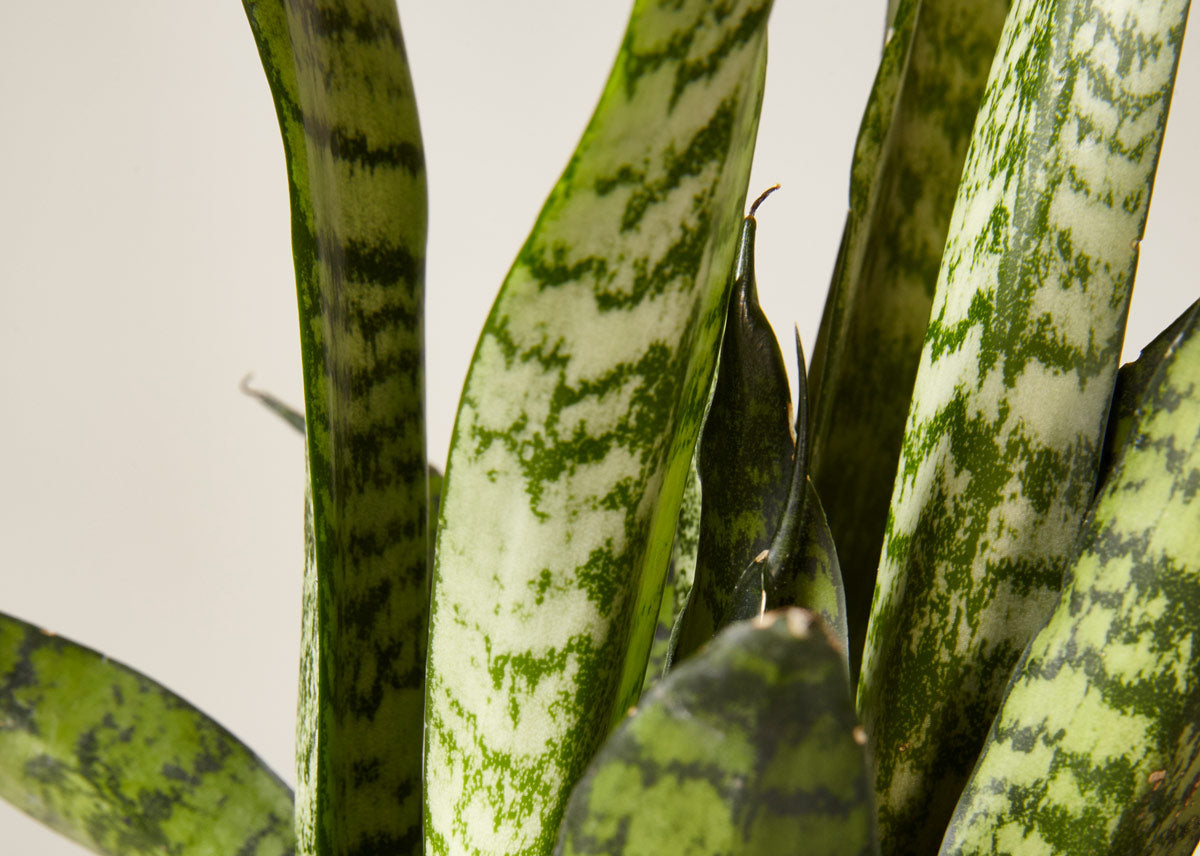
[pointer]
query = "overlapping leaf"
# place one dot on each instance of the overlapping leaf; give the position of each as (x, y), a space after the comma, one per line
(124, 766)
(1095, 749)
(356, 176)
(1002, 445)
(907, 164)
(577, 423)
(750, 747)
(745, 460)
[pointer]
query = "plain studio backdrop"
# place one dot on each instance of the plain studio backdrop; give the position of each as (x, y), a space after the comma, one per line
(151, 510)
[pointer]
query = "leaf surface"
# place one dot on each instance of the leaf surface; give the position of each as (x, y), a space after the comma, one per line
(122, 765)
(750, 747)
(745, 461)
(1096, 749)
(356, 177)
(576, 427)
(1002, 446)
(907, 163)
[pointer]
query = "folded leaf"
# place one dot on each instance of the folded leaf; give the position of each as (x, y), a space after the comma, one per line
(121, 765)
(745, 460)
(749, 747)
(1001, 450)
(1095, 749)
(576, 427)
(356, 178)
(907, 162)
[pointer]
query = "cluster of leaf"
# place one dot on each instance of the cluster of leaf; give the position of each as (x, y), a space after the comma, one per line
(635, 636)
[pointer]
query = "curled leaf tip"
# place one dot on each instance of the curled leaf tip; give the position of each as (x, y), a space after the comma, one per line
(762, 196)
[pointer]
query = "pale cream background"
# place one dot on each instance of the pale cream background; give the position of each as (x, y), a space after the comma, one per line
(152, 511)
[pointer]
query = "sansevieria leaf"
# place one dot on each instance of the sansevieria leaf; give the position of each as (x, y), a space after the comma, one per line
(907, 163)
(745, 460)
(750, 747)
(111, 759)
(576, 427)
(1094, 751)
(1002, 445)
(356, 176)
(1132, 381)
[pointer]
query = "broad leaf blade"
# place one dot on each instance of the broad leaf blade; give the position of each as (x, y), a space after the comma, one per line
(1002, 445)
(750, 747)
(576, 426)
(907, 164)
(356, 176)
(745, 460)
(1094, 751)
(121, 765)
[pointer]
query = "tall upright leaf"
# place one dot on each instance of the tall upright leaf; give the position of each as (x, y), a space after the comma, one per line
(745, 459)
(111, 759)
(1001, 449)
(907, 163)
(576, 427)
(1094, 751)
(356, 176)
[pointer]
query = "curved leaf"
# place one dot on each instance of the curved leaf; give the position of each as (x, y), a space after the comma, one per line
(576, 426)
(1131, 384)
(1094, 751)
(907, 164)
(1002, 446)
(749, 747)
(745, 460)
(121, 765)
(356, 177)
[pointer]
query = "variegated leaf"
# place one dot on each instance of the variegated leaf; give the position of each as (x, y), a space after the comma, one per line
(907, 164)
(746, 450)
(577, 423)
(1095, 749)
(356, 175)
(124, 766)
(750, 747)
(1003, 439)
(1127, 395)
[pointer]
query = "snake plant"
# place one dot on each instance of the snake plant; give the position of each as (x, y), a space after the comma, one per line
(941, 599)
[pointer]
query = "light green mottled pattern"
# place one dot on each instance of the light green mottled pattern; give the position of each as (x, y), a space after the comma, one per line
(1001, 449)
(907, 164)
(750, 747)
(1094, 749)
(1127, 394)
(746, 451)
(356, 174)
(576, 426)
(121, 765)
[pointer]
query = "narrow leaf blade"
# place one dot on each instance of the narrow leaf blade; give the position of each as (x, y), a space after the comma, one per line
(745, 461)
(356, 176)
(122, 765)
